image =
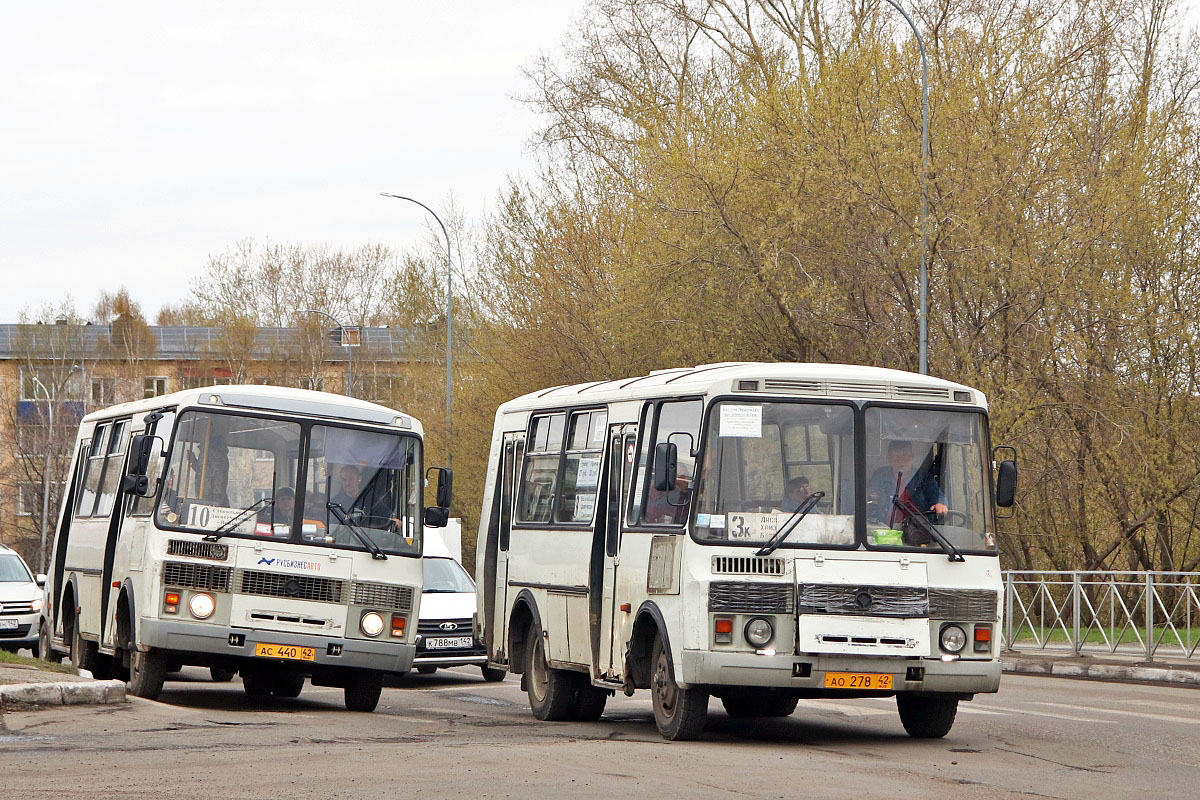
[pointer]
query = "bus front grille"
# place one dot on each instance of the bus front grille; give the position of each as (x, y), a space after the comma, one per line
(382, 595)
(211, 550)
(968, 605)
(196, 576)
(298, 587)
(751, 598)
(867, 601)
(746, 565)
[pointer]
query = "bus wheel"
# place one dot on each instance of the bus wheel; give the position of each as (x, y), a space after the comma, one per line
(288, 686)
(926, 717)
(44, 651)
(493, 674)
(679, 713)
(589, 702)
(363, 690)
(86, 655)
(147, 671)
(426, 669)
(220, 674)
(552, 692)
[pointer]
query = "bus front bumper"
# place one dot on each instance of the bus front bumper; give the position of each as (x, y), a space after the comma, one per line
(221, 640)
(963, 676)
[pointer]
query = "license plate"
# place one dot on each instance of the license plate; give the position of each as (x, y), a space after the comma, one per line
(448, 643)
(285, 651)
(8, 624)
(857, 680)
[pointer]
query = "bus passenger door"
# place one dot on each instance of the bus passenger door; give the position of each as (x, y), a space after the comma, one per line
(496, 578)
(621, 453)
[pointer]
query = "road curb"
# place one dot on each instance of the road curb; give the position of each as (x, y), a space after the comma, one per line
(1119, 673)
(75, 693)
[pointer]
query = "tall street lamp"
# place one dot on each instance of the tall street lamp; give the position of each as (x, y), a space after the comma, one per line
(50, 400)
(345, 342)
(449, 308)
(924, 346)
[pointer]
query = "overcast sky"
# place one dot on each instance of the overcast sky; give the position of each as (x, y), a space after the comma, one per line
(138, 138)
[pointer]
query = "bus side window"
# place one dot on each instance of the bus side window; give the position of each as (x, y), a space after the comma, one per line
(539, 473)
(581, 466)
(679, 423)
(92, 471)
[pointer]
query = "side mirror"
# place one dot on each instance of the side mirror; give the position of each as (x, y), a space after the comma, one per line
(40, 579)
(445, 486)
(1006, 483)
(141, 448)
(436, 517)
(666, 465)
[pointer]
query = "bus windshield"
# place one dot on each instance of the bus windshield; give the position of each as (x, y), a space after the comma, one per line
(928, 468)
(239, 475)
(763, 460)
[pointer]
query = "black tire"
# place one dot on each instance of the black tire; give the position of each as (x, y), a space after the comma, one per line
(759, 704)
(426, 669)
(493, 674)
(926, 717)
(147, 671)
(288, 686)
(679, 713)
(551, 691)
(257, 685)
(84, 654)
(220, 674)
(589, 702)
(363, 690)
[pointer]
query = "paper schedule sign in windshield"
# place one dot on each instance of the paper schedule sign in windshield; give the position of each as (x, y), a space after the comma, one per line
(209, 518)
(741, 421)
(754, 526)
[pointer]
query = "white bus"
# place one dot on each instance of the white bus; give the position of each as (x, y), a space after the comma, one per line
(254, 529)
(758, 533)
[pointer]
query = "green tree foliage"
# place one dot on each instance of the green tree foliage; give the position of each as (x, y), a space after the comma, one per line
(741, 181)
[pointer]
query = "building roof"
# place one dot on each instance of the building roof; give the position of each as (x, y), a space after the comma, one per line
(193, 342)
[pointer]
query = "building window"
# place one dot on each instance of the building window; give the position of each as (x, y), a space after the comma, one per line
(154, 386)
(29, 497)
(64, 383)
(103, 391)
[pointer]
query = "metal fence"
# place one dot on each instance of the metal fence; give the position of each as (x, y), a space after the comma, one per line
(1145, 614)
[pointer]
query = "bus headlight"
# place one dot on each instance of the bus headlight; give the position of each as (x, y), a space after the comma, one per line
(953, 639)
(371, 623)
(759, 631)
(202, 605)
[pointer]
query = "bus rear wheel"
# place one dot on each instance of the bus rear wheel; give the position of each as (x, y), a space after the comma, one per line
(926, 717)
(759, 704)
(257, 684)
(493, 674)
(679, 713)
(552, 692)
(86, 654)
(363, 690)
(220, 674)
(147, 671)
(589, 702)
(288, 686)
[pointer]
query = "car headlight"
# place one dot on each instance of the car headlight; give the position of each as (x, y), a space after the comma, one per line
(371, 623)
(953, 639)
(759, 631)
(37, 604)
(202, 605)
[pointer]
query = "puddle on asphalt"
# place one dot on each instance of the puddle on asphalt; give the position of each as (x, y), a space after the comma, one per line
(481, 700)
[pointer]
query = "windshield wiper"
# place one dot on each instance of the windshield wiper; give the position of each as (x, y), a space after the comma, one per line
(233, 523)
(911, 512)
(790, 524)
(368, 542)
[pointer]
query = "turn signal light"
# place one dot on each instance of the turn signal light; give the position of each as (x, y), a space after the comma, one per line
(398, 624)
(723, 630)
(171, 601)
(983, 638)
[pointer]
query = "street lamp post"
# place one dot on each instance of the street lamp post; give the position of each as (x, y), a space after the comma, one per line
(449, 308)
(348, 346)
(924, 319)
(46, 460)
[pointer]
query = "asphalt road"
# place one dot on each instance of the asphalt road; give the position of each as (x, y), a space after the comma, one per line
(451, 734)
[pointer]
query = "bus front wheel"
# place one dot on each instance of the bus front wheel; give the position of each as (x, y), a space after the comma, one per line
(552, 692)
(363, 690)
(147, 671)
(926, 717)
(679, 713)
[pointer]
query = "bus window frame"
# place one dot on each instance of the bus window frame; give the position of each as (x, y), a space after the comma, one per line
(858, 445)
(519, 467)
(305, 424)
(651, 430)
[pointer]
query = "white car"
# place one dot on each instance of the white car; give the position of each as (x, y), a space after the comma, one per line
(20, 603)
(445, 627)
